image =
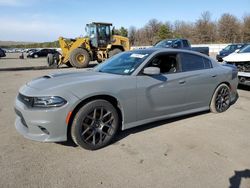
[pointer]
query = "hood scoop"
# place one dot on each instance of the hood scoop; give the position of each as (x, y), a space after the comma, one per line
(47, 76)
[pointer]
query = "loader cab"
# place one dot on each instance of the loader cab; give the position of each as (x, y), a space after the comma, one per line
(99, 34)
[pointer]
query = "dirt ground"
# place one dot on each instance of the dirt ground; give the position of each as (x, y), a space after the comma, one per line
(201, 150)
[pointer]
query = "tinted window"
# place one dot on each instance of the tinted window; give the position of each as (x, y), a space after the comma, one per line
(239, 46)
(246, 49)
(164, 43)
(51, 50)
(185, 43)
(192, 62)
(227, 47)
(207, 63)
(233, 47)
(178, 44)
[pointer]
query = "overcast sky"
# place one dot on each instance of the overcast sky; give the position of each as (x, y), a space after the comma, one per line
(46, 20)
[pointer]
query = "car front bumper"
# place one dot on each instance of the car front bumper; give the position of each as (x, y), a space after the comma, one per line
(44, 125)
(244, 78)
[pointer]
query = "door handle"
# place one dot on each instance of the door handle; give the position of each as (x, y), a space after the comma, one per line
(182, 82)
(214, 76)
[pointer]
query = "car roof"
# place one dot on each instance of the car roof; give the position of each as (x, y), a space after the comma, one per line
(153, 50)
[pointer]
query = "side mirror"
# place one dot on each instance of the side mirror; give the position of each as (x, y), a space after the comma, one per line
(151, 71)
(236, 51)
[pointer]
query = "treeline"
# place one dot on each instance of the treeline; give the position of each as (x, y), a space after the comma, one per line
(227, 29)
(54, 44)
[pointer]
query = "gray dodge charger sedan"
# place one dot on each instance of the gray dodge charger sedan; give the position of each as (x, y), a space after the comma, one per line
(129, 89)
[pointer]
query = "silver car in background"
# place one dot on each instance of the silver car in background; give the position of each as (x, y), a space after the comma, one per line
(129, 89)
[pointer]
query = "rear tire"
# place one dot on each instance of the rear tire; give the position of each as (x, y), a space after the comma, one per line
(221, 99)
(95, 125)
(114, 52)
(79, 58)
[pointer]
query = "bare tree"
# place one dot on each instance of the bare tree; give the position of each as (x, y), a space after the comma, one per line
(183, 29)
(132, 35)
(246, 28)
(205, 29)
(228, 28)
(152, 28)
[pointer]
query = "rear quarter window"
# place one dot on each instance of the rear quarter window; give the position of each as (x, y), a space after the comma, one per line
(191, 62)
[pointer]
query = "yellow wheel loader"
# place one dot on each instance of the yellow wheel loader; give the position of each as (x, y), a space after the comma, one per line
(99, 45)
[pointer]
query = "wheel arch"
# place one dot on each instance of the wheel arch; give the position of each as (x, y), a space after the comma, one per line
(117, 46)
(225, 82)
(113, 100)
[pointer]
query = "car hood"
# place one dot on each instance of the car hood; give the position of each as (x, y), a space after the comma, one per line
(224, 52)
(237, 57)
(52, 81)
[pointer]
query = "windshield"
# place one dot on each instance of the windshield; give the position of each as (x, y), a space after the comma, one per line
(227, 48)
(165, 43)
(124, 63)
(246, 49)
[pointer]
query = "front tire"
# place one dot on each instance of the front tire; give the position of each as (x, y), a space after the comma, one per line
(95, 125)
(79, 58)
(221, 99)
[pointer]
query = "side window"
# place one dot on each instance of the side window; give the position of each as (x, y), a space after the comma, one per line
(207, 63)
(178, 44)
(233, 47)
(185, 44)
(191, 62)
(239, 46)
(168, 63)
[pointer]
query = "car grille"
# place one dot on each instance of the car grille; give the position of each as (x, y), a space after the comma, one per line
(18, 113)
(28, 101)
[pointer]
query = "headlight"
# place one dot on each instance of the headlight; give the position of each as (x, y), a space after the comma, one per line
(47, 102)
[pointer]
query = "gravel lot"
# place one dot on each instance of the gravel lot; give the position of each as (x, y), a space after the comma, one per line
(202, 150)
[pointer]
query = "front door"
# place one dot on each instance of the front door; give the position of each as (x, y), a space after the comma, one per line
(162, 94)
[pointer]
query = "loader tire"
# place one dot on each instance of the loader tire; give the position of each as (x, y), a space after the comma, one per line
(50, 59)
(79, 58)
(114, 52)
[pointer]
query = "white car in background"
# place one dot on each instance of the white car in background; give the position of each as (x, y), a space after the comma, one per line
(241, 59)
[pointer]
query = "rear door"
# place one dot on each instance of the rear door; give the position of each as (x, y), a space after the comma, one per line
(200, 79)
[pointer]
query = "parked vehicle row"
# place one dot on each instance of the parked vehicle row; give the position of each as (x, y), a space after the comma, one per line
(228, 50)
(241, 59)
(33, 53)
